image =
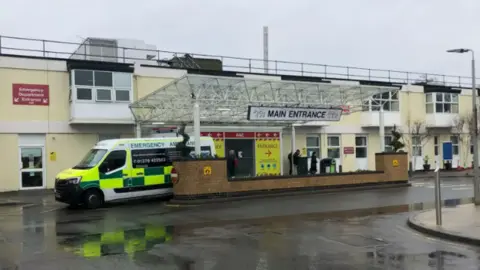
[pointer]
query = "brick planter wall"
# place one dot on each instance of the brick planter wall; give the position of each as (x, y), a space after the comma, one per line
(194, 184)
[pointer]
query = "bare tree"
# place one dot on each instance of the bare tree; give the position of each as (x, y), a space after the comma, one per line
(463, 128)
(418, 136)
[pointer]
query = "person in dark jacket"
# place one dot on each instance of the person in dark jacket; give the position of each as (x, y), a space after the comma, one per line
(313, 163)
(290, 163)
(231, 163)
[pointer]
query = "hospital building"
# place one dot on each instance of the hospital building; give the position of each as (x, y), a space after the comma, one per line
(58, 99)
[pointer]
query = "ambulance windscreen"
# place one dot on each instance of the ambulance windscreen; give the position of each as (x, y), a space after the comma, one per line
(91, 159)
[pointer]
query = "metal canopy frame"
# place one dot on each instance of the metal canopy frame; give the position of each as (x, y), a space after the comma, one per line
(225, 100)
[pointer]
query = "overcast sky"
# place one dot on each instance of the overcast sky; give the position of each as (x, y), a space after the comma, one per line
(404, 35)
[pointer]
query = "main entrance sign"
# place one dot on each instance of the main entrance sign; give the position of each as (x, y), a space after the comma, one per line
(259, 113)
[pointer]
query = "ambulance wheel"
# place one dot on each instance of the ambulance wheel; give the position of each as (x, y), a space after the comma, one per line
(92, 199)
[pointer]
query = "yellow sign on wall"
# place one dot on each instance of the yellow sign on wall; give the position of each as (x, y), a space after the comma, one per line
(219, 142)
(53, 156)
(395, 163)
(207, 170)
(219, 147)
(267, 154)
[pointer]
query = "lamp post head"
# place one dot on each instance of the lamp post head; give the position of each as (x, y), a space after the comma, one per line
(461, 50)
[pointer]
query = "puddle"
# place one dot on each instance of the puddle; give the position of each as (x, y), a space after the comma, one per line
(117, 242)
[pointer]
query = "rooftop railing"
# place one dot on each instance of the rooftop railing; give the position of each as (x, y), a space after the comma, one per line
(61, 49)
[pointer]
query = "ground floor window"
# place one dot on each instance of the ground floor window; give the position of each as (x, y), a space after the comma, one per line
(416, 146)
(361, 146)
(333, 146)
(313, 145)
(435, 143)
(388, 140)
(455, 145)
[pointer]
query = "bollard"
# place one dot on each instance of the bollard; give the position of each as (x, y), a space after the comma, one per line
(438, 197)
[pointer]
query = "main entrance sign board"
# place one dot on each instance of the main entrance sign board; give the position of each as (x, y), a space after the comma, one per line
(260, 113)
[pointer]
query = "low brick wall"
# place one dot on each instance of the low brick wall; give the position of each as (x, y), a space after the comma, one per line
(208, 178)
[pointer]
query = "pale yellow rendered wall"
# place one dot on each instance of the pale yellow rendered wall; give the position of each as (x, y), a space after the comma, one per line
(300, 143)
(70, 149)
(9, 162)
(147, 85)
(59, 92)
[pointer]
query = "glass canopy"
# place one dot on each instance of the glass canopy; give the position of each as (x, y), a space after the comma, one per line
(225, 100)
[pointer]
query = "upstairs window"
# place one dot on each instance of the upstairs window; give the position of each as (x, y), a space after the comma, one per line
(441, 102)
(389, 101)
(102, 86)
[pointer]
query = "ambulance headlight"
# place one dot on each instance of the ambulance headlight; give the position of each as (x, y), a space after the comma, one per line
(74, 180)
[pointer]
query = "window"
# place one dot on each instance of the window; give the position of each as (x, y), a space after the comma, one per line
(387, 141)
(333, 146)
(91, 159)
(313, 145)
(114, 161)
(416, 146)
(123, 86)
(103, 86)
(441, 102)
(84, 94)
(104, 95)
(435, 143)
(455, 144)
(148, 158)
(389, 100)
(204, 150)
(361, 146)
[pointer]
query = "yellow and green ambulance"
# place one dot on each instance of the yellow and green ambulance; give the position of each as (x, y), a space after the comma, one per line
(123, 169)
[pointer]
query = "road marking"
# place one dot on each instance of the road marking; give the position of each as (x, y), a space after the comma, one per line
(463, 188)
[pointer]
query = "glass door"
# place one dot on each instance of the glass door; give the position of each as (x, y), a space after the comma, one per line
(31, 167)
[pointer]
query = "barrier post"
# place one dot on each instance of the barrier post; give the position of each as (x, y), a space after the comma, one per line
(438, 197)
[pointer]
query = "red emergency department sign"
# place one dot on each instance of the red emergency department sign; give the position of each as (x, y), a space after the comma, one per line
(30, 94)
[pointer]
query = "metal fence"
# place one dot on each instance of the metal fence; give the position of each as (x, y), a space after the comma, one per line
(61, 49)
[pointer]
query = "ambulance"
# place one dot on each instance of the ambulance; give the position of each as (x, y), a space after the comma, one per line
(124, 169)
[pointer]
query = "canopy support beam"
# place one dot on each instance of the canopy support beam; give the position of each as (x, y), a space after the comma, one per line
(196, 128)
(381, 122)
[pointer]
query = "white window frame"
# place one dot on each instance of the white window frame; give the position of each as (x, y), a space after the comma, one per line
(417, 146)
(309, 147)
(373, 104)
(361, 146)
(455, 145)
(431, 102)
(435, 146)
(333, 147)
(94, 89)
(388, 147)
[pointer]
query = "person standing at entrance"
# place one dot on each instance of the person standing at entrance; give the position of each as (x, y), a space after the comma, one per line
(231, 163)
(313, 163)
(290, 163)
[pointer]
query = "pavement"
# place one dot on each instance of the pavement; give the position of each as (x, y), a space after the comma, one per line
(459, 223)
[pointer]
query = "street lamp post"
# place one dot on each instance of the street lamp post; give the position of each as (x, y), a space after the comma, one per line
(475, 126)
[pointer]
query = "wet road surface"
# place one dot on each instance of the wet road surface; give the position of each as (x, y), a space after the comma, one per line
(355, 230)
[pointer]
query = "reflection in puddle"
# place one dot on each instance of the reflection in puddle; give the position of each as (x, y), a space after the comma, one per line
(118, 242)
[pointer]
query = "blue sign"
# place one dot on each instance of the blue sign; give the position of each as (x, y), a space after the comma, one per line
(447, 151)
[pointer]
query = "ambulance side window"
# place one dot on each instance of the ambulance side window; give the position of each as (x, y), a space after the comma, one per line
(148, 158)
(115, 160)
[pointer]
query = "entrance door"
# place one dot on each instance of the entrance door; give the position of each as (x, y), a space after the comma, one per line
(244, 149)
(32, 167)
(361, 152)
